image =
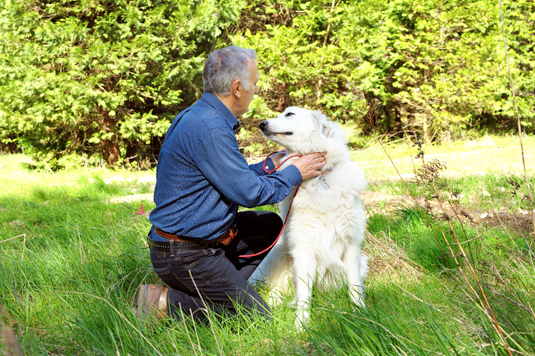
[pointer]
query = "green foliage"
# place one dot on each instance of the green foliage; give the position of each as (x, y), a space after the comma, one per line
(298, 61)
(428, 66)
(250, 139)
(101, 77)
(410, 230)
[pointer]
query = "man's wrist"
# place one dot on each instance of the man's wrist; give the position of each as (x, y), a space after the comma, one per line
(270, 165)
(293, 174)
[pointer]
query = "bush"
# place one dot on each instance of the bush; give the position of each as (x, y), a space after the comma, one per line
(102, 77)
(105, 78)
(422, 66)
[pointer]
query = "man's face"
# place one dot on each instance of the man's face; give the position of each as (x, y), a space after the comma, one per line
(247, 95)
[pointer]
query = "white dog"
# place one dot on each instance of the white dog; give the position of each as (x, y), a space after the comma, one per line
(322, 238)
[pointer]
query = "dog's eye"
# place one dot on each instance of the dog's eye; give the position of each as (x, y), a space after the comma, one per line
(288, 114)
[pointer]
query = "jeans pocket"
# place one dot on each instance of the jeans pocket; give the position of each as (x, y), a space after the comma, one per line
(161, 271)
(173, 274)
(191, 258)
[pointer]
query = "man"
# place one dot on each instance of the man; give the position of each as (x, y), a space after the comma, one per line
(197, 234)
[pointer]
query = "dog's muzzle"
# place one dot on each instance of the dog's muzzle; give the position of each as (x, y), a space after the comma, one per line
(263, 126)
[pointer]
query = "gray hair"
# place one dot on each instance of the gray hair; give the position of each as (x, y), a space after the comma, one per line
(225, 66)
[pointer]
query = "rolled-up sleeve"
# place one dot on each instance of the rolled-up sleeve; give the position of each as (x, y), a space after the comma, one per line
(218, 158)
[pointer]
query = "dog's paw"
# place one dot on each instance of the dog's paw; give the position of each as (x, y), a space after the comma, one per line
(275, 298)
(302, 319)
(293, 303)
(358, 299)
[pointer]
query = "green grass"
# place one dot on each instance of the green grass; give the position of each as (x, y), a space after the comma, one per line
(70, 289)
(496, 154)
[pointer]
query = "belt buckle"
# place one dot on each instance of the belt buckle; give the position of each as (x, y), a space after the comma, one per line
(232, 232)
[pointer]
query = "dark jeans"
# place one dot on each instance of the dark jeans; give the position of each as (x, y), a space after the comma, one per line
(218, 273)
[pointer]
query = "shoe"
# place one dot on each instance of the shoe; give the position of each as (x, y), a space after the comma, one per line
(152, 301)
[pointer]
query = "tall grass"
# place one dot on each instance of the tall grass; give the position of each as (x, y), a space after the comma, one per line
(71, 287)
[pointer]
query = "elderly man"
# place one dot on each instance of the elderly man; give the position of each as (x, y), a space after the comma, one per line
(198, 234)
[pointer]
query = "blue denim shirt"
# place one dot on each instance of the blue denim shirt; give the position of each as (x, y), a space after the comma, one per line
(202, 178)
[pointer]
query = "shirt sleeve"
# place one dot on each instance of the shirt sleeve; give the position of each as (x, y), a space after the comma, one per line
(219, 159)
(258, 168)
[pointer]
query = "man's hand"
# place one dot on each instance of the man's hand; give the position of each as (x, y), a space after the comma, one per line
(310, 165)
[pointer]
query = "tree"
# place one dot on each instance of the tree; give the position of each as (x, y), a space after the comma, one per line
(430, 67)
(102, 77)
(105, 78)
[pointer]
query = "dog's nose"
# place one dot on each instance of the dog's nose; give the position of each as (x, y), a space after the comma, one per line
(263, 125)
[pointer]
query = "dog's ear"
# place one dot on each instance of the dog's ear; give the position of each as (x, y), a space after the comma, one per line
(325, 130)
(317, 116)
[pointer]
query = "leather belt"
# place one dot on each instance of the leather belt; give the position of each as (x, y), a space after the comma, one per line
(180, 242)
(173, 245)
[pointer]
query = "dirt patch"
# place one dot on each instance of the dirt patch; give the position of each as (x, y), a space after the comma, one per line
(17, 223)
(381, 203)
(388, 259)
(519, 222)
(8, 339)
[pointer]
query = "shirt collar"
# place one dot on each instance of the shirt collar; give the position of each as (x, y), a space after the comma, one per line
(222, 109)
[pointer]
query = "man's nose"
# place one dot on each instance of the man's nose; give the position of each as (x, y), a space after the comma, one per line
(263, 125)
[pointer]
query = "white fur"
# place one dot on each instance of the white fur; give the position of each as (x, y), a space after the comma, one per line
(322, 238)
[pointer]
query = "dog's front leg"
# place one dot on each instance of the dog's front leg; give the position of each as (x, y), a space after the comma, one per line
(355, 264)
(305, 273)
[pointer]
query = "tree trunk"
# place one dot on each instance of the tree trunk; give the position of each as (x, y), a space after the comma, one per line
(110, 148)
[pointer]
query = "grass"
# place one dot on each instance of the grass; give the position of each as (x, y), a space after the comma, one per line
(489, 155)
(69, 289)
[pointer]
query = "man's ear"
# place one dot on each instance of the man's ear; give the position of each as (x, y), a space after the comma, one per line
(325, 130)
(235, 88)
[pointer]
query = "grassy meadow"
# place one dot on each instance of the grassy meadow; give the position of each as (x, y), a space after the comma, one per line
(452, 267)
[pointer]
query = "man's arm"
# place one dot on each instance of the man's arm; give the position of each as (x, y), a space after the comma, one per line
(219, 159)
(271, 163)
(258, 168)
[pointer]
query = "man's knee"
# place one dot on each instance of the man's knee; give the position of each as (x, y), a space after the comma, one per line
(271, 223)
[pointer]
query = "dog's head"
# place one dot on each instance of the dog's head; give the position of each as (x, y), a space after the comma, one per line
(303, 131)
